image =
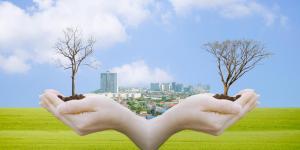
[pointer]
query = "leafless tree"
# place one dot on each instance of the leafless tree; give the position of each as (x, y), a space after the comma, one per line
(235, 58)
(75, 49)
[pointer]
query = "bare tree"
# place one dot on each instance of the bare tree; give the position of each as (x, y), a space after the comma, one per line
(235, 58)
(75, 49)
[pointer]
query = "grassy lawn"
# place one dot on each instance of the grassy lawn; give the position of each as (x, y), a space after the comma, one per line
(264, 128)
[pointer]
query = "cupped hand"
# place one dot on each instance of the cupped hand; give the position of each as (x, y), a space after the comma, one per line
(83, 115)
(95, 113)
(205, 113)
(202, 113)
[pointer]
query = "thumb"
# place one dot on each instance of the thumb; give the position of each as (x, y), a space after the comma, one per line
(75, 106)
(52, 98)
(55, 92)
(244, 91)
(222, 106)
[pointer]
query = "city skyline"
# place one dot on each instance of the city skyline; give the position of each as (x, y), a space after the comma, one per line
(109, 84)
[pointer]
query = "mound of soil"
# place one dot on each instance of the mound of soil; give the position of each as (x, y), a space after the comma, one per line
(222, 96)
(75, 97)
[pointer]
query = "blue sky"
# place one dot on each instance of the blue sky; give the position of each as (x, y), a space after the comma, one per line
(162, 41)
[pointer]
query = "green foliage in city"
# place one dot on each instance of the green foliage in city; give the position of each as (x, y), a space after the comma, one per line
(136, 106)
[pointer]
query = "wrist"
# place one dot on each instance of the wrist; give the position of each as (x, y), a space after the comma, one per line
(126, 120)
(179, 115)
(115, 113)
(170, 121)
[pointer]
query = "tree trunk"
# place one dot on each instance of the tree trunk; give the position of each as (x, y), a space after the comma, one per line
(73, 85)
(226, 88)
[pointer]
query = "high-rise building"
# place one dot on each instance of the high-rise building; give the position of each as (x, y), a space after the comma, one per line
(165, 87)
(178, 87)
(173, 86)
(109, 82)
(154, 87)
(188, 89)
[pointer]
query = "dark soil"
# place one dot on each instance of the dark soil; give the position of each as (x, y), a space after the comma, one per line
(222, 96)
(75, 97)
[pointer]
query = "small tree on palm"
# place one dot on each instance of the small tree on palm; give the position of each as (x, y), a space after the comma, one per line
(235, 58)
(75, 49)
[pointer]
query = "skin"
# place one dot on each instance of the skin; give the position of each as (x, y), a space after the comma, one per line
(200, 112)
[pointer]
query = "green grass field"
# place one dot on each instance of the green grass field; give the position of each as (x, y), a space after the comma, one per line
(264, 128)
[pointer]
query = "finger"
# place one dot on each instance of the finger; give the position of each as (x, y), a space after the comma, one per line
(69, 107)
(222, 106)
(209, 94)
(91, 94)
(252, 102)
(48, 106)
(244, 91)
(43, 102)
(53, 99)
(68, 120)
(251, 105)
(53, 91)
(75, 106)
(231, 119)
(246, 96)
(246, 108)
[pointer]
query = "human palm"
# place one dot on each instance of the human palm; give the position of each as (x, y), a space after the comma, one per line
(200, 112)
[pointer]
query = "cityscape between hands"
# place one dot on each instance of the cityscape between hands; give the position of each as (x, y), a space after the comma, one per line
(201, 112)
(147, 101)
(179, 108)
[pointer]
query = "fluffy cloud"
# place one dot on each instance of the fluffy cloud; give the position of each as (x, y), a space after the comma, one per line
(15, 63)
(35, 30)
(229, 8)
(27, 35)
(138, 73)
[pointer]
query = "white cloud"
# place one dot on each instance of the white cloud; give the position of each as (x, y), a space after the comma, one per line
(229, 8)
(36, 29)
(14, 63)
(138, 73)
